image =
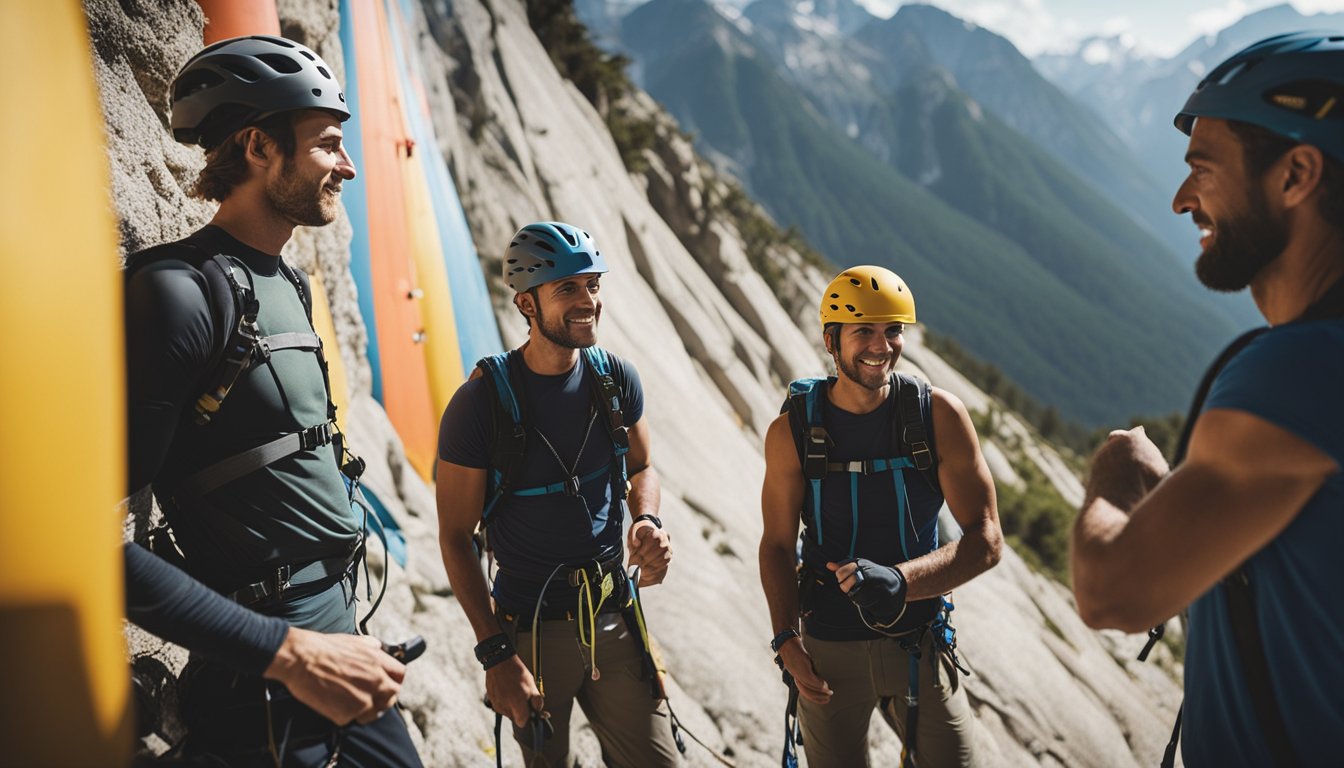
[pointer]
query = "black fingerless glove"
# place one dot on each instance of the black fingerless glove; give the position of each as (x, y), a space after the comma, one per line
(878, 591)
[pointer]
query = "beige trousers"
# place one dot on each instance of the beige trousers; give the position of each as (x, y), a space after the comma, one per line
(631, 726)
(861, 672)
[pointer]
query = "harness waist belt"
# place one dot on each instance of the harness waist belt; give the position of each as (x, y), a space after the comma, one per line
(234, 467)
(569, 486)
(298, 582)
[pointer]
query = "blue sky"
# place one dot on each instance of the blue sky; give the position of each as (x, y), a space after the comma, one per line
(1159, 26)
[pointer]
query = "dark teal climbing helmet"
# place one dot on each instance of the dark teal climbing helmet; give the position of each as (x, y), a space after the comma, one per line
(1292, 85)
(550, 250)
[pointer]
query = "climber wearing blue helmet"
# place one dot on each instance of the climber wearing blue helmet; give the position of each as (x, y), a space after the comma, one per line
(538, 451)
(1245, 530)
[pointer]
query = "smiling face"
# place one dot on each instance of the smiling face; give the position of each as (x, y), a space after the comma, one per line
(1239, 232)
(306, 187)
(866, 353)
(567, 311)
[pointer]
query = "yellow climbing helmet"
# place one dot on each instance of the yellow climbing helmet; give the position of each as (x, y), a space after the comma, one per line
(867, 295)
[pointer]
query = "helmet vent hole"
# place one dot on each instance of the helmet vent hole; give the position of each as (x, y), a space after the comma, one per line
(282, 64)
(308, 55)
(569, 237)
(550, 263)
(856, 281)
(199, 80)
(858, 314)
(835, 308)
(850, 307)
(246, 74)
(835, 296)
(317, 92)
(324, 72)
(546, 245)
(513, 261)
(900, 289)
(341, 96)
(274, 40)
(874, 281)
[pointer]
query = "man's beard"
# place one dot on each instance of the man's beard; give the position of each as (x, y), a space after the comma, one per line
(1245, 243)
(860, 374)
(562, 335)
(303, 201)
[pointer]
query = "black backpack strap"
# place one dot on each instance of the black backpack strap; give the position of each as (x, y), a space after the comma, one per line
(913, 437)
(607, 393)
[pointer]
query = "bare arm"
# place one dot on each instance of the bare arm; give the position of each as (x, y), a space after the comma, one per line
(461, 497)
(782, 496)
(1139, 557)
(649, 546)
(969, 491)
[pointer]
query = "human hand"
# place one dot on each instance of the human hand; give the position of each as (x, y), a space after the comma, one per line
(878, 589)
(650, 548)
(1125, 468)
(512, 691)
(341, 677)
(798, 663)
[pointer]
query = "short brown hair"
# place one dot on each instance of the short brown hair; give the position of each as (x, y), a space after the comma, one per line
(226, 163)
(1261, 148)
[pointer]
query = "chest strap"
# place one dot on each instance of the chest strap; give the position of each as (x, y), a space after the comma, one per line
(234, 467)
(308, 342)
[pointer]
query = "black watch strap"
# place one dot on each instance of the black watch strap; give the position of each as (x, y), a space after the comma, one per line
(783, 637)
(656, 520)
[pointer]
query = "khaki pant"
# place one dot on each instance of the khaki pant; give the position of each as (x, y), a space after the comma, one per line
(631, 726)
(862, 671)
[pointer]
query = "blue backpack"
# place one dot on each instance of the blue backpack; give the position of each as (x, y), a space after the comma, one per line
(509, 443)
(910, 436)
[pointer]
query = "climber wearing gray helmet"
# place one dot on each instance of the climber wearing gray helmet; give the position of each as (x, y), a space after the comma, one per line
(1245, 530)
(540, 449)
(231, 422)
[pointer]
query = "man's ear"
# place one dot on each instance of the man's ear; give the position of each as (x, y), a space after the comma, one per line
(257, 146)
(525, 304)
(1302, 169)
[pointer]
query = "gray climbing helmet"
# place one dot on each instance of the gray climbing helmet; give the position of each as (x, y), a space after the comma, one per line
(550, 250)
(236, 82)
(1291, 84)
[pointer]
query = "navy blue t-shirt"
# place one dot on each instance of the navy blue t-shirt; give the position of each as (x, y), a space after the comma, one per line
(531, 535)
(1293, 377)
(878, 537)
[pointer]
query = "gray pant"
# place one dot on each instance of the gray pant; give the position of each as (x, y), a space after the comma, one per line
(862, 671)
(631, 726)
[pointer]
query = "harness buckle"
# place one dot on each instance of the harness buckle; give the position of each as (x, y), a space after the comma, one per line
(814, 461)
(620, 437)
(572, 485)
(922, 456)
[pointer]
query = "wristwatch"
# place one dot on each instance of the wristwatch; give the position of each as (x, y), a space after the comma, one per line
(657, 521)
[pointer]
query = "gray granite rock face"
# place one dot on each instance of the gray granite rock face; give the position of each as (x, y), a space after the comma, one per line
(714, 345)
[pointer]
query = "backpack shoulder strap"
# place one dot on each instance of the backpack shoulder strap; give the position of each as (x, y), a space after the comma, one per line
(509, 440)
(804, 405)
(608, 380)
(913, 435)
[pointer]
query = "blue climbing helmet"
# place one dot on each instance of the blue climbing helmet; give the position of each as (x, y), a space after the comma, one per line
(1291, 84)
(550, 250)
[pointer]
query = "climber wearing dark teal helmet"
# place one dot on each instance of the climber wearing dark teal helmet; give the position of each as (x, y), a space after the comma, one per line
(231, 423)
(541, 451)
(1245, 531)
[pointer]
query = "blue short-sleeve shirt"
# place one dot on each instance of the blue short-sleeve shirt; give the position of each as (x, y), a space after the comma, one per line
(1293, 377)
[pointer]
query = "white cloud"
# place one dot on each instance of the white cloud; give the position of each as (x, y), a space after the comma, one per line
(1319, 6)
